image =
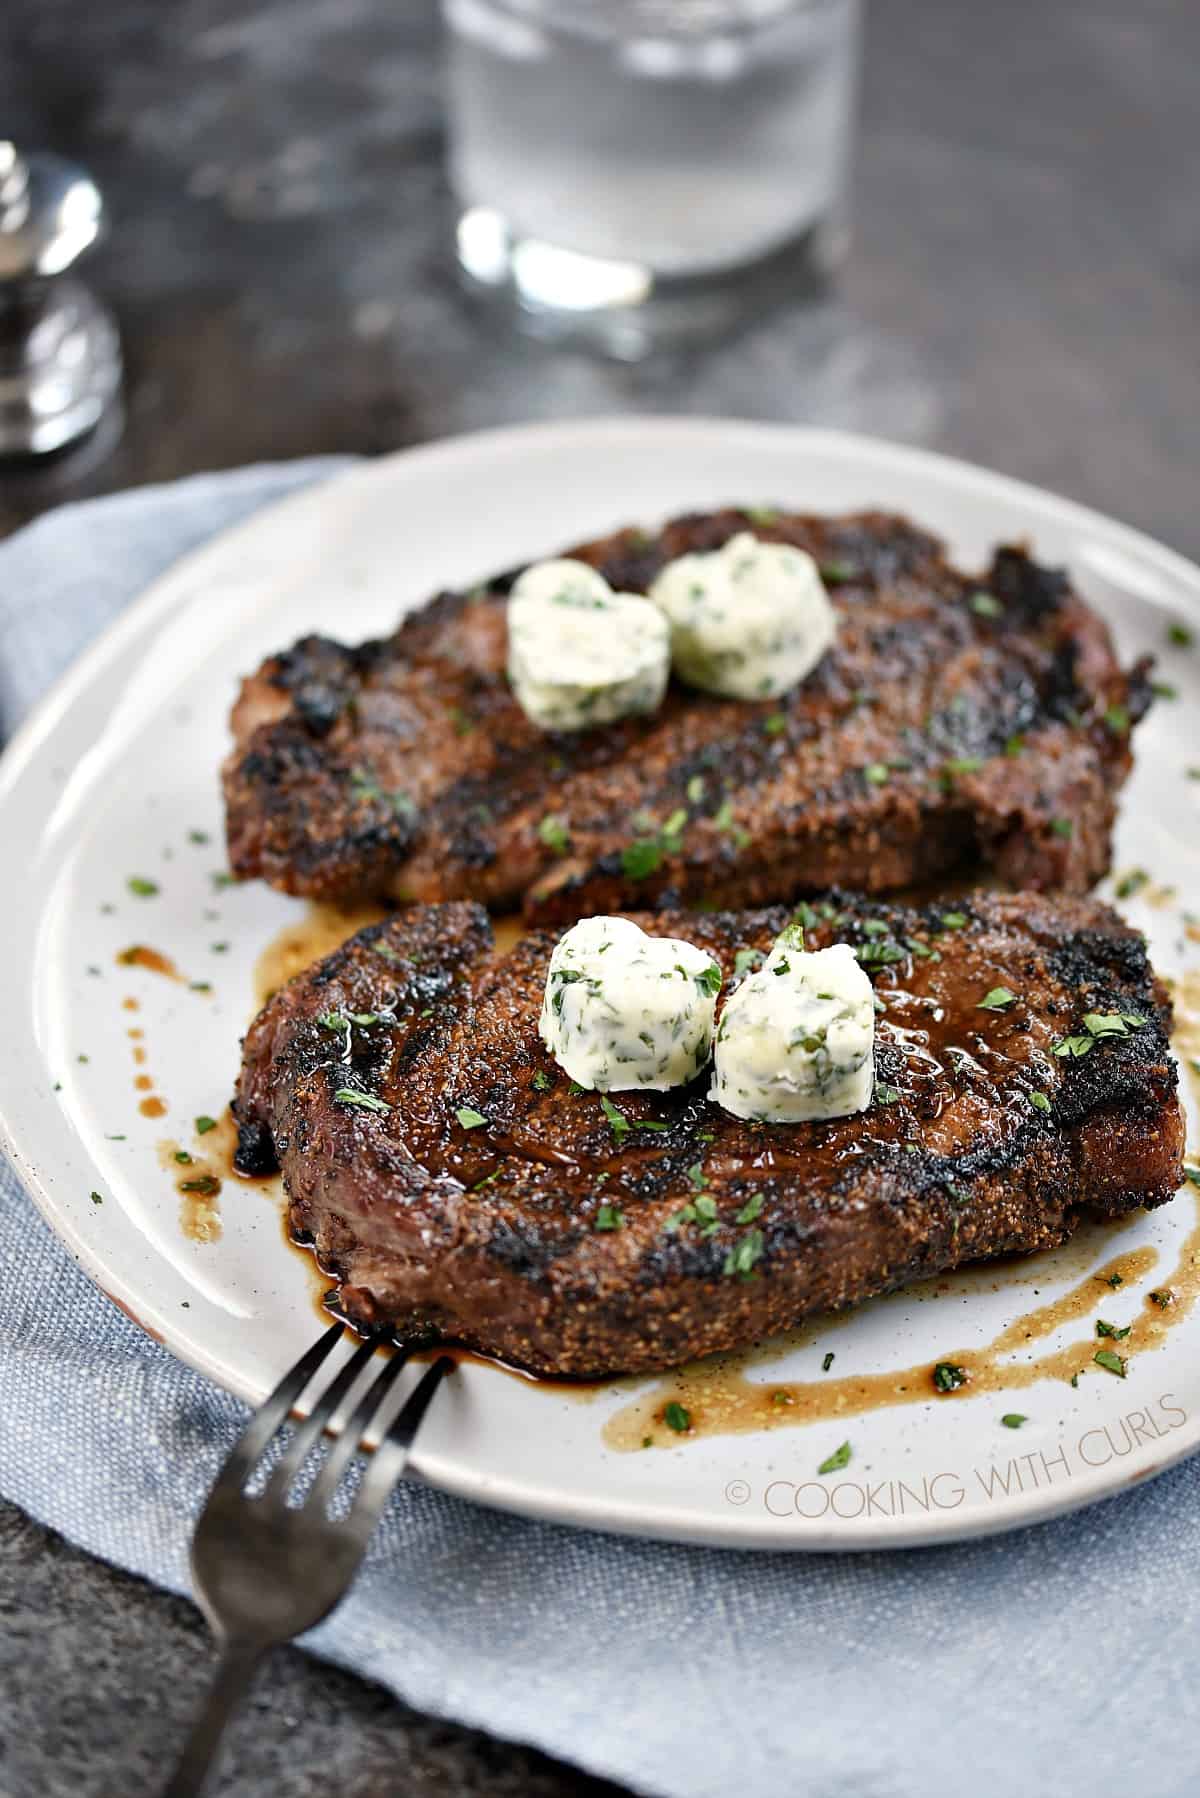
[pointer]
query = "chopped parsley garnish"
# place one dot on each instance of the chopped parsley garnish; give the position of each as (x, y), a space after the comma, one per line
(1014, 744)
(1162, 1299)
(349, 1095)
(1131, 883)
(955, 920)
(1098, 1024)
(204, 1125)
(764, 515)
(963, 764)
(1162, 689)
(140, 887)
(1106, 1329)
(750, 1210)
(1115, 1280)
(207, 1185)
(837, 1460)
(746, 960)
(998, 999)
(609, 1217)
(709, 979)
(468, 1117)
(885, 1094)
(876, 773)
(776, 723)
(744, 1254)
(1072, 1047)
(677, 1418)
(985, 605)
(1062, 827)
(553, 832)
(1192, 1174)
(1012, 1420)
(1118, 720)
(1111, 1362)
(641, 858)
(835, 572)
(198, 836)
(541, 1080)
(878, 953)
(96, 1199)
(827, 1362)
(1181, 635)
(650, 1124)
(948, 1376)
(697, 1176)
(617, 1119)
(1040, 1100)
(695, 789)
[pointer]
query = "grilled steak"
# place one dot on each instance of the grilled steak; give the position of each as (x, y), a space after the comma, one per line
(958, 723)
(456, 1187)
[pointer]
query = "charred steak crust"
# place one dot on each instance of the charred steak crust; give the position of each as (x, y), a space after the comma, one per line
(957, 723)
(492, 1233)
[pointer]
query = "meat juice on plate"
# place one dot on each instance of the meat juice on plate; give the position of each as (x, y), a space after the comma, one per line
(685, 136)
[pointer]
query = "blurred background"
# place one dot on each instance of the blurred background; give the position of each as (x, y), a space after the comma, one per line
(1021, 287)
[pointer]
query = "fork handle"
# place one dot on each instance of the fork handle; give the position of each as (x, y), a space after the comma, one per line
(236, 1668)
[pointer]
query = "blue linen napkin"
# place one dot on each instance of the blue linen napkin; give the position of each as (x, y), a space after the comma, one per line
(1059, 1660)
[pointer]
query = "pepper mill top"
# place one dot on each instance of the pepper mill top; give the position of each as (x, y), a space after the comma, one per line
(60, 359)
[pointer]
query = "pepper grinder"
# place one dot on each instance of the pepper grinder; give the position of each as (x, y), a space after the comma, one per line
(60, 356)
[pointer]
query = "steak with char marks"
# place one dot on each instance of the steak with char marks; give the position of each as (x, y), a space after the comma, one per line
(958, 724)
(574, 1240)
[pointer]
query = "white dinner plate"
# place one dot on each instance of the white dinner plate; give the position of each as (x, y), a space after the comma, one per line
(115, 779)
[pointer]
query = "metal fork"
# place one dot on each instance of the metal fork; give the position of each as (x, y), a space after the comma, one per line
(265, 1570)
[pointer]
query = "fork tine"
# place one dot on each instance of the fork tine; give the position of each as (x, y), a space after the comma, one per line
(315, 1424)
(342, 1451)
(391, 1457)
(263, 1425)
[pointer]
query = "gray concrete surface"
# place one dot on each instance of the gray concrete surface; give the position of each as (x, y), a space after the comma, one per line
(1023, 291)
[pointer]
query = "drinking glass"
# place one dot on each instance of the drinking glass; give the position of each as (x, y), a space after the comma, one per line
(636, 172)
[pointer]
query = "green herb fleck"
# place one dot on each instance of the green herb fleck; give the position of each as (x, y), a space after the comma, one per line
(835, 572)
(827, 1362)
(1117, 718)
(955, 920)
(876, 773)
(677, 1418)
(1180, 635)
(541, 1080)
(775, 724)
(553, 832)
(743, 1255)
(1111, 1362)
(1131, 883)
(746, 960)
(1062, 827)
(1162, 1299)
(1106, 1329)
(1012, 1420)
(985, 605)
(1040, 1100)
(468, 1117)
(140, 887)
(204, 1125)
(998, 999)
(1162, 689)
(609, 1217)
(349, 1095)
(837, 1460)
(640, 859)
(885, 1094)
(709, 979)
(695, 789)
(948, 1376)
(750, 1210)
(617, 1119)
(96, 1199)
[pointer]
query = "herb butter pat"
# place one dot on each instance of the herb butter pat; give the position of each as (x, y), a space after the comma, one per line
(626, 1011)
(797, 1039)
(749, 620)
(579, 654)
